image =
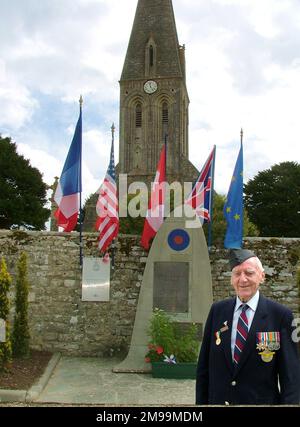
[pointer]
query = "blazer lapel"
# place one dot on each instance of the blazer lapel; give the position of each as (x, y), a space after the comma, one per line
(226, 336)
(258, 324)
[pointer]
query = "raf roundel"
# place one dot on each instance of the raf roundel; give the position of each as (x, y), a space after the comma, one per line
(178, 240)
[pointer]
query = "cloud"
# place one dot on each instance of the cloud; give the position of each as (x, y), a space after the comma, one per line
(17, 104)
(38, 159)
(243, 68)
(242, 71)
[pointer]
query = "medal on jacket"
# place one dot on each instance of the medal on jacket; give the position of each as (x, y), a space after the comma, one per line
(218, 333)
(267, 343)
(267, 355)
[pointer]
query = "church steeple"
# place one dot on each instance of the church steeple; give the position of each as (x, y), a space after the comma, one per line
(153, 41)
(154, 100)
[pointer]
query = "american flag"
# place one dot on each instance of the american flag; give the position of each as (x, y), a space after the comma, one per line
(200, 197)
(107, 206)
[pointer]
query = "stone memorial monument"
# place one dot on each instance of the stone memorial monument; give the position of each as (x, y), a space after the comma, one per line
(177, 279)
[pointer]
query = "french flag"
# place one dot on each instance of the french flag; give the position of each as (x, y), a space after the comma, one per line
(67, 194)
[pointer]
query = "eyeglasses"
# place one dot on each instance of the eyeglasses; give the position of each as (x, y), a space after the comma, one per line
(247, 272)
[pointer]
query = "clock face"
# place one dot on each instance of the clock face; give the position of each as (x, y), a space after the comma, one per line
(150, 86)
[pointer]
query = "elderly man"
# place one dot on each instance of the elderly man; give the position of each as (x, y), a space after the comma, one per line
(248, 356)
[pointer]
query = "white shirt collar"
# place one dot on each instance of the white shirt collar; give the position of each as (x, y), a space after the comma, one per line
(252, 303)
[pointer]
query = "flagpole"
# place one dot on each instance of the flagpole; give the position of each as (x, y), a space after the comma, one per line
(211, 202)
(166, 144)
(113, 242)
(166, 149)
(242, 140)
(80, 195)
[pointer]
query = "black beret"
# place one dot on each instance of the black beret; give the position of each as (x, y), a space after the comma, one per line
(238, 256)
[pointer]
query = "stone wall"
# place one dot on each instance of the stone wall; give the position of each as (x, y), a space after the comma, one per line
(60, 321)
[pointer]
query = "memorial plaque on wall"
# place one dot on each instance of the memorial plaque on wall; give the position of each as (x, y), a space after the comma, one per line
(95, 279)
(171, 286)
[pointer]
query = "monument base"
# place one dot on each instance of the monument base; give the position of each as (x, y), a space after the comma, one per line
(177, 371)
(134, 362)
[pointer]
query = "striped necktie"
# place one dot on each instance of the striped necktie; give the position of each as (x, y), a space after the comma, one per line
(241, 335)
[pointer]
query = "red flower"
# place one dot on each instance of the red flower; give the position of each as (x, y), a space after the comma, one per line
(147, 359)
(159, 350)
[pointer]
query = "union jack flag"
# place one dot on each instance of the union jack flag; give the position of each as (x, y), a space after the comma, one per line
(107, 207)
(201, 195)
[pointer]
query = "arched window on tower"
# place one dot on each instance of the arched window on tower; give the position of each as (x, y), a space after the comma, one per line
(165, 113)
(136, 160)
(150, 58)
(138, 116)
(165, 119)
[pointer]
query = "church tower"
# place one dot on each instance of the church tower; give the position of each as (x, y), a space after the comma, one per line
(154, 100)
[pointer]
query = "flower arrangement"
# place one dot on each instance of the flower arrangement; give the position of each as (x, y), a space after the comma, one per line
(168, 343)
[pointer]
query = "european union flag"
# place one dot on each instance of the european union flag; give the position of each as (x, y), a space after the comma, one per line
(233, 208)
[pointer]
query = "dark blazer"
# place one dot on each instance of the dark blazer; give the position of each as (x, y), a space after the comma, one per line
(253, 382)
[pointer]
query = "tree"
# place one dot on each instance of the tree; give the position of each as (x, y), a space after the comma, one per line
(129, 225)
(23, 192)
(20, 335)
(272, 199)
(5, 283)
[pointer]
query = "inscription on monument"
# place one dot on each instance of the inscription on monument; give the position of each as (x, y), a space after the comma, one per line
(171, 286)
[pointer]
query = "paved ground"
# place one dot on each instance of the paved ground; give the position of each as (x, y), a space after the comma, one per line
(91, 381)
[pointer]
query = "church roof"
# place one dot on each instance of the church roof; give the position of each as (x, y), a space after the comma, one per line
(154, 19)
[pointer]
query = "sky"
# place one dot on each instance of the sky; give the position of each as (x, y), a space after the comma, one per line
(243, 71)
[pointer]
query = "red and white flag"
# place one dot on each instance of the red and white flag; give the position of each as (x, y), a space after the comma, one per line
(107, 207)
(156, 207)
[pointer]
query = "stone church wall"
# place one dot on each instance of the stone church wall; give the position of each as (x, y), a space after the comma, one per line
(60, 321)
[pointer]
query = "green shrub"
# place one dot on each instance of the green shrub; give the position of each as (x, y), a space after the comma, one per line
(5, 347)
(169, 342)
(21, 336)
